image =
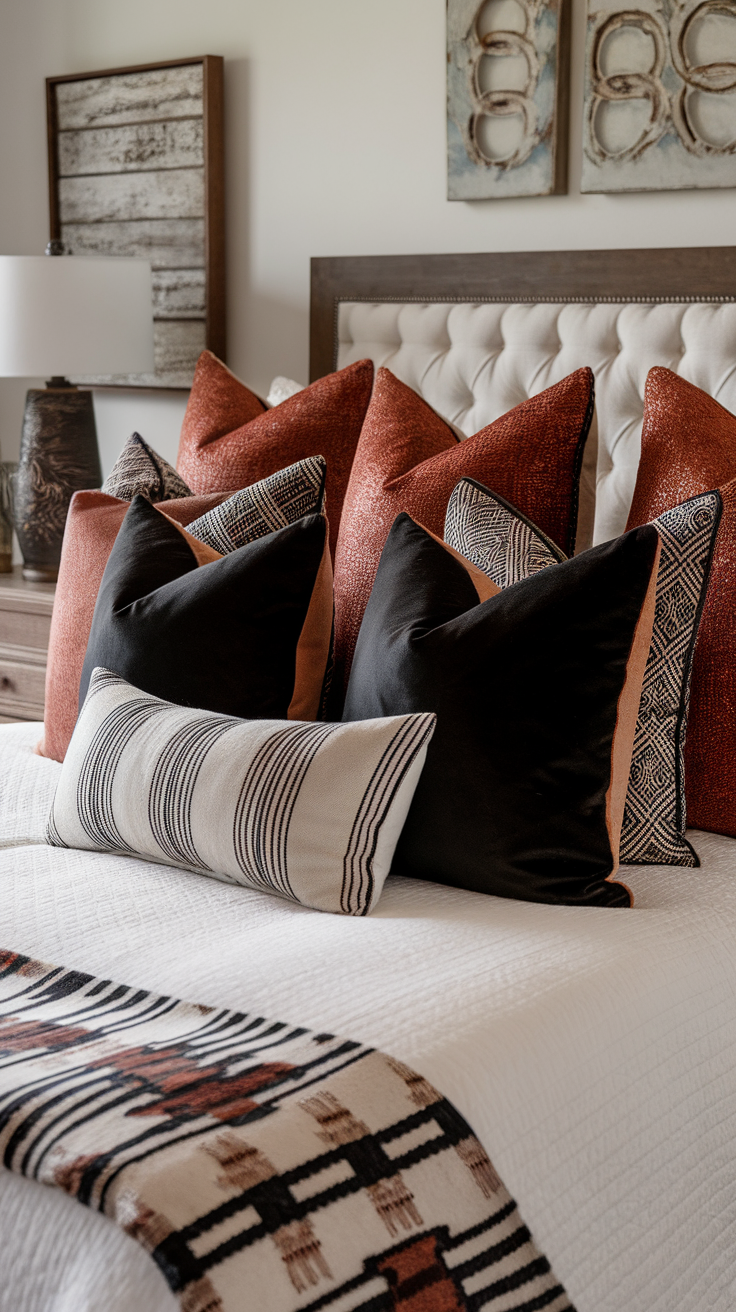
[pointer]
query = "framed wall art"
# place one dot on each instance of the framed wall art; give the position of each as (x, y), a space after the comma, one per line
(507, 75)
(136, 167)
(660, 95)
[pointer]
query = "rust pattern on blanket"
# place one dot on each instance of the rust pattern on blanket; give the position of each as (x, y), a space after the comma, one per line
(264, 1167)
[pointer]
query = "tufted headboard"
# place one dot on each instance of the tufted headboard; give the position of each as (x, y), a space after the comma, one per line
(477, 334)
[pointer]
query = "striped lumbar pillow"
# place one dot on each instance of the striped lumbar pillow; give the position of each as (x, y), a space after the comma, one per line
(310, 811)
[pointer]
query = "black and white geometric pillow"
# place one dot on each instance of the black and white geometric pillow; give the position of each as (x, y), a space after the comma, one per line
(139, 471)
(508, 547)
(655, 816)
(274, 502)
(310, 811)
(496, 537)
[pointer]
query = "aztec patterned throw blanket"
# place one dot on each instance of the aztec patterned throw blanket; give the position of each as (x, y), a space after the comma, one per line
(264, 1167)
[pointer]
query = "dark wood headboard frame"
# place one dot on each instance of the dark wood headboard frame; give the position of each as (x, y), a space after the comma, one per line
(700, 273)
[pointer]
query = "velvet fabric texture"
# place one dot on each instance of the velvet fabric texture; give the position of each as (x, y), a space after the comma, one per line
(229, 440)
(221, 638)
(688, 445)
(92, 525)
(408, 459)
(535, 692)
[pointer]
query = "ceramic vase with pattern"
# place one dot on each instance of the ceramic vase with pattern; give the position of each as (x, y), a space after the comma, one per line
(58, 456)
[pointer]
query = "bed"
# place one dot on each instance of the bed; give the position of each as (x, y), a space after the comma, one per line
(593, 1051)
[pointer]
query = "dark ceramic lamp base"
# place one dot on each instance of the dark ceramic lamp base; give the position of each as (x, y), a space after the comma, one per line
(58, 457)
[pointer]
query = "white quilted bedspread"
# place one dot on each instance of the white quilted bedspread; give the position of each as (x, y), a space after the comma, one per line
(593, 1051)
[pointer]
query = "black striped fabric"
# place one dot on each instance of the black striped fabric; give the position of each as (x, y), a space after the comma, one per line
(508, 547)
(306, 810)
(263, 1166)
(274, 502)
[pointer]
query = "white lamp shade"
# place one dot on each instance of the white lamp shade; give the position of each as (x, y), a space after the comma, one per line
(70, 314)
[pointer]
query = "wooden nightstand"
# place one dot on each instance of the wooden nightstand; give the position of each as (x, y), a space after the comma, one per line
(25, 620)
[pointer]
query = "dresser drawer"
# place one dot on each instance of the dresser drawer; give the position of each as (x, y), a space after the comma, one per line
(25, 621)
(21, 629)
(21, 688)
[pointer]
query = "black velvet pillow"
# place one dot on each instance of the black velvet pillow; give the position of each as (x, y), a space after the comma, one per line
(536, 692)
(239, 635)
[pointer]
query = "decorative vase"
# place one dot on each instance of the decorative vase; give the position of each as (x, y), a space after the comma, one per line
(7, 469)
(58, 456)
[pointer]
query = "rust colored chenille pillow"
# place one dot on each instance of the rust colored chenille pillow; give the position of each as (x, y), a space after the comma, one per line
(688, 446)
(230, 440)
(92, 526)
(408, 459)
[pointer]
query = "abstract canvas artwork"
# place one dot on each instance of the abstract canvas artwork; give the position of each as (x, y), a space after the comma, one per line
(507, 63)
(660, 96)
(136, 168)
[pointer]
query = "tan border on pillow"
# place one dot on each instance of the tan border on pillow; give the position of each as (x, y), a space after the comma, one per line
(484, 586)
(313, 647)
(315, 640)
(203, 554)
(627, 714)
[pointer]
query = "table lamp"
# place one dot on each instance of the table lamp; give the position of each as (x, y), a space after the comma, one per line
(59, 315)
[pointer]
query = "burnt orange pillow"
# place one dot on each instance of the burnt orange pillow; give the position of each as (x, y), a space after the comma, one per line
(91, 528)
(688, 445)
(229, 440)
(408, 459)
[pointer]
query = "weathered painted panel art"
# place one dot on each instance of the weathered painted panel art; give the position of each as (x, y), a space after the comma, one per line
(660, 96)
(131, 97)
(167, 243)
(132, 148)
(129, 165)
(506, 98)
(169, 193)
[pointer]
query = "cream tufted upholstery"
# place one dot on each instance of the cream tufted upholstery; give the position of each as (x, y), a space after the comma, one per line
(473, 362)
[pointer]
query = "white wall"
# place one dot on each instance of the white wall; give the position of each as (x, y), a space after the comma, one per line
(335, 120)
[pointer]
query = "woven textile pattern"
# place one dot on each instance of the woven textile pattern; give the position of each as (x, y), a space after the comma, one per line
(139, 471)
(495, 537)
(306, 810)
(655, 813)
(688, 446)
(261, 1165)
(508, 548)
(408, 459)
(229, 440)
(273, 503)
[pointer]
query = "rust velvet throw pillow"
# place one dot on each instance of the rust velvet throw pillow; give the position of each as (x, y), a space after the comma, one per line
(408, 459)
(229, 439)
(688, 445)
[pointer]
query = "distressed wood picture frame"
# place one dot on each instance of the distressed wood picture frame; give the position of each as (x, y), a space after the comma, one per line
(507, 98)
(136, 167)
(660, 108)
